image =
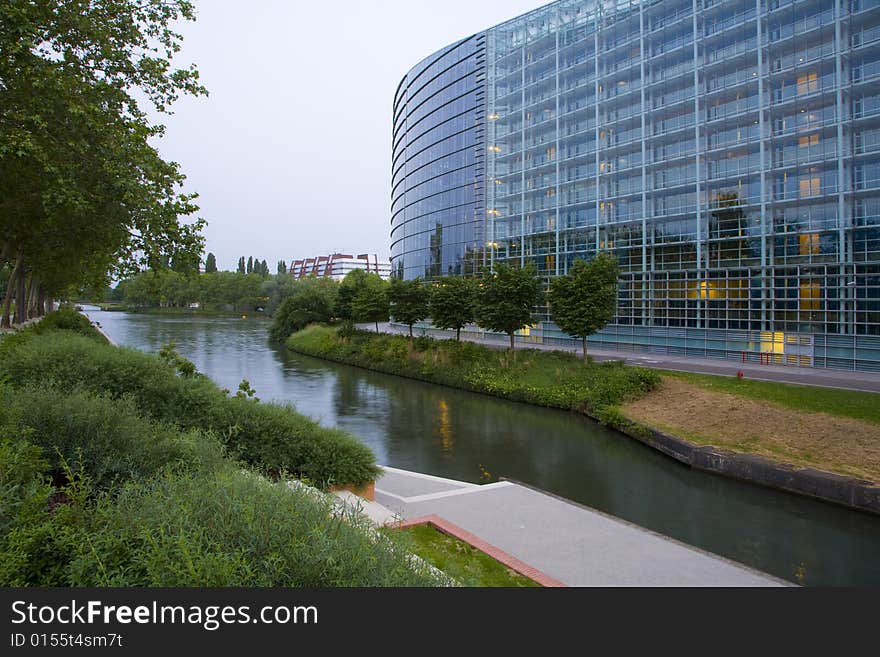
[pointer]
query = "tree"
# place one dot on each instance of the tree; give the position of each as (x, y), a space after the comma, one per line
(241, 269)
(311, 300)
(264, 268)
(348, 289)
(453, 303)
(507, 297)
(408, 301)
(370, 302)
(210, 264)
(83, 194)
(250, 265)
(281, 268)
(585, 299)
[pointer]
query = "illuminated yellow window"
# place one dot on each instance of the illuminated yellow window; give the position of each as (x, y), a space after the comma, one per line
(808, 140)
(551, 192)
(551, 152)
(809, 186)
(808, 243)
(808, 83)
(810, 296)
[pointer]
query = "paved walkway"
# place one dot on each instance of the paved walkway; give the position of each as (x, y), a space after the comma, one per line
(844, 379)
(571, 543)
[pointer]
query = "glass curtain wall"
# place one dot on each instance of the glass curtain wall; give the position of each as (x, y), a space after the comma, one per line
(438, 208)
(727, 152)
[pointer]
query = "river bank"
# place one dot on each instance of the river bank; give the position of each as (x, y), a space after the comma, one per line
(803, 468)
(180, 312)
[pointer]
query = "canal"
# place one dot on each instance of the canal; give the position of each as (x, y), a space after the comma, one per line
(452, 433)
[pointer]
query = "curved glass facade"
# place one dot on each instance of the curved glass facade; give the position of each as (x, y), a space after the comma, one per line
(437, 207)
(724, 151)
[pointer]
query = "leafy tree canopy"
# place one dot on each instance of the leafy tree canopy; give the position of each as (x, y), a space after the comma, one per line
(585, 300)
(370, 301)
(408, 301)
(507, 298)
(453, 303)
(83, 194)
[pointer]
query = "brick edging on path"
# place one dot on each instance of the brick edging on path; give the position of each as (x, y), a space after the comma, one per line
(854, 493)
(443, 525)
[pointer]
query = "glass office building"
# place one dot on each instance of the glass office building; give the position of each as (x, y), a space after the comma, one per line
(727, 152)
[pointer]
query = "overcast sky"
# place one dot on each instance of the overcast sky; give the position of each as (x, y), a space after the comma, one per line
(290, 153)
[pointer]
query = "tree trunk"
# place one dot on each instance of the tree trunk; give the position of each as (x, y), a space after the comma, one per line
(32, 286)
(511, 341)
(585, 348)
(410, 332)
(7, 302)
(20, 295)
(458, 335)
(41, 301)
(377, 327)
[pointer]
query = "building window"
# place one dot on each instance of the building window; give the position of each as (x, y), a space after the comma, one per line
(807, 84)
(808, 243)
(809, 186)
(808, 140)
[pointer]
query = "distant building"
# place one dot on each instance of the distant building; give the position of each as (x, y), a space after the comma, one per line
(336, 266)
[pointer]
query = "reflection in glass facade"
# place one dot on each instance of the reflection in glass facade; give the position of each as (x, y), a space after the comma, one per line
(437, 209)
(727, 152)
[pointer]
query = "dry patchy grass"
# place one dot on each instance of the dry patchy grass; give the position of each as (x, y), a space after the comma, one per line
(707, 417)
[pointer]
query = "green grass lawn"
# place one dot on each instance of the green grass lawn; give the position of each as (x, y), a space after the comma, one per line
(461, 561)
(845, 403)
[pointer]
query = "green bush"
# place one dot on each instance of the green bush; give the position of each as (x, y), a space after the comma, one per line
(68, 319)
(267, 436)
(311, 300)
(107, 439)
(24, 488)
(235, 529)
(220, 528)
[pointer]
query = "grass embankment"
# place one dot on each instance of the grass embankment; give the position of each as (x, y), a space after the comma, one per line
(463, 562)
(547, 378)
(827, 429)
(120, 469)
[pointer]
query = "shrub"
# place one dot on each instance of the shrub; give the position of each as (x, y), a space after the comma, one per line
(108, 439)
(268, 436)
(223, 527)
(68, 319)
(235, 529)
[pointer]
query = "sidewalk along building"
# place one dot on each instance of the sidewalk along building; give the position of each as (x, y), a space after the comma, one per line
(728, 153)
(337, 265)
